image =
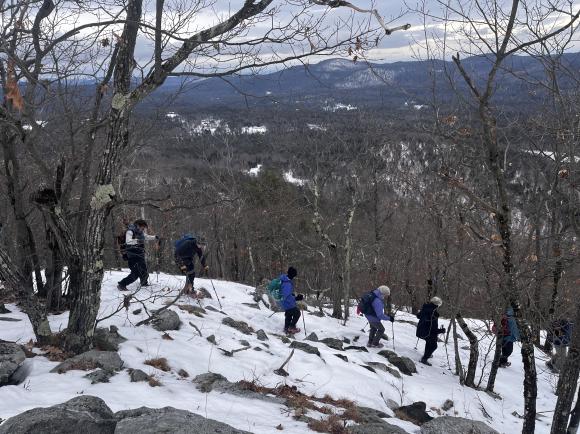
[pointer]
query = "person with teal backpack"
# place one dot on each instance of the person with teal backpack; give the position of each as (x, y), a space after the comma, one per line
(281, 289)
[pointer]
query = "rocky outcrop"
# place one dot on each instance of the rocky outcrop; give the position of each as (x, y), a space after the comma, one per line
(414, 413)
(11, 357)
(166, 320)
(108, 339)
(240, 326)
(303, 346)
(456, 425)
(93, 359)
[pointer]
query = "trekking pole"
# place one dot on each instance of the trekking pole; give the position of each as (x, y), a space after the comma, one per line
(304, 323)
(393, 331)
(215, 292)
(417, 344)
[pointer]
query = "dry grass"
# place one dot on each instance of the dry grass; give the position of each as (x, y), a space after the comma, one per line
(153, 382)
(167, 337)
(159, 363)
(333, 424)
(183, 373)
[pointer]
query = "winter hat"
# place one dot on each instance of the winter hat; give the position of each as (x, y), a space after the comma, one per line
(436, 301)
(384, 289)
(141, 222)
(292, 273)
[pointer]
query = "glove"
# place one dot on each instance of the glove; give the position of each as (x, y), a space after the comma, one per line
(392, 318)
(206, 268)
(441, 330)
(299, 297)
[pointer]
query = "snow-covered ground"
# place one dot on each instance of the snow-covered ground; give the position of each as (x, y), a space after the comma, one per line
(310, 373)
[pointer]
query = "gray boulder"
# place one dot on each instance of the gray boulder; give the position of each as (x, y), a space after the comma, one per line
(342, 357)
(166, 320)
(456, 425)
(393, 405)
(376, 428)
(303, 346)
(206, 382)
(82, 414)
(335, 344)
(107, 360)
(357, 348)
(370, 415)
(241, 326)
(404, 364)
(203, 293)
(262, 336)
(169, 420)
(382, 367)
(100, 376)
(414, 413)
(3, 309)
(447, 405)
(11, 357)
(312, 337)
(137, 375)
(108, 339)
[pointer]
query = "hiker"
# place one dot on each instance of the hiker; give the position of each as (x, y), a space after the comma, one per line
(509, 333)
(559, 335)
(428, 327)
(372, 305)
(288, 301)
(135, 238)
(186, 248)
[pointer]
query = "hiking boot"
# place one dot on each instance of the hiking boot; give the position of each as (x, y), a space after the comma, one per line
(122, 287)
(145, 284)
(377, 345)
(292, 330)
(505, 364)
(425, 362)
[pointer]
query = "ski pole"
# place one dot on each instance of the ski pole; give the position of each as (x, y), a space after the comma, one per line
(393, 330)
(304, 323)
(216, 294)
(417, 344)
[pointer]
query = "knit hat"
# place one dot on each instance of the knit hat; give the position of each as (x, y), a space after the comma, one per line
(436, 301)
(292, 273)
(384, 289)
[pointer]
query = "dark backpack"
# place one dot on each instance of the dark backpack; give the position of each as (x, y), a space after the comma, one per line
(365, 304)
(180, 243)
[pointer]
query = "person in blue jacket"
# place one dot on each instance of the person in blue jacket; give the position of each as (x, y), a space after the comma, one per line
(428, 327)
(374, 311)
(288, 301)
(509, 333)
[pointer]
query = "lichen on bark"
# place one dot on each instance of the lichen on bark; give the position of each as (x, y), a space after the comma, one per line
(103, 196)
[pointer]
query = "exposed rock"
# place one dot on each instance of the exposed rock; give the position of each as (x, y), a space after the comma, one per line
(404, 364)
(211, 339)
(303, 346)
(100, 376)
(258, 349)
(203, 293)
(169, 420)
(183, 373)
(3, 309)
(166, 320)
(82, 414)
(245, 343)
(138, 375)
(205, 382)
(285, 340)
(447, 405)
(252, 305)
(137, 311)
(312, 337)
(107, 360)
(370, 415)
(346, 340)
(369, 368)
(262, 336)
(414, 413)
(357, 348)
(108, 340)
(11, 357)
(8, 319)
(342, 356)
(335, 344)
(195, 310)
(241, 326)
(376, 428)
(393, 405)
(456, 425)
(385, 368)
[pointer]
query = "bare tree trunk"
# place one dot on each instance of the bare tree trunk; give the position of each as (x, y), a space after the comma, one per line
(473, 351)
(458, 365)
(574, 417)
(495, 364)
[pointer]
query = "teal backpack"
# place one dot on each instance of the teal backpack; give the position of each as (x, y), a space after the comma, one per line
(274, 288)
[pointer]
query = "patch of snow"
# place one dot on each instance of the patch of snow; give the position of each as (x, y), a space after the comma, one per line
(255, 130)
(172, 115)
(316, 127)
(419, 106)
(254, 171)
(339, 106)
(289, 177)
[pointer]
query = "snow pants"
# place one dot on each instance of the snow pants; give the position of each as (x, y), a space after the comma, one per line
(138, 268)
(291, 317)
(430, 346)
(506, 350)
(376, 332)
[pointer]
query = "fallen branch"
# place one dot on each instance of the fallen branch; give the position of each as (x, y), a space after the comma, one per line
(280, 371)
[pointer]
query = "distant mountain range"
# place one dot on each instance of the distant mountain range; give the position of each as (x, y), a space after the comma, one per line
(359, 84)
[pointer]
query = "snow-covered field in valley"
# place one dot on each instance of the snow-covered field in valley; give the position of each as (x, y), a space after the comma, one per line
(311, 374)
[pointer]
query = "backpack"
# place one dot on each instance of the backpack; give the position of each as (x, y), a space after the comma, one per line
(184, 239)
(365, 304)
(122, 243)
(274, 289)
(505, 328)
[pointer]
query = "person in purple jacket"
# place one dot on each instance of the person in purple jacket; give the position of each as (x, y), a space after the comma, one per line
(288, 302)
(373, 307)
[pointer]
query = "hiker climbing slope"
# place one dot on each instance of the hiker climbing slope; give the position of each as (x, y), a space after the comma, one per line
(288, 301)
(135, 238)
(428, 327)
(508, 333)
(186, 249)
(372, 305)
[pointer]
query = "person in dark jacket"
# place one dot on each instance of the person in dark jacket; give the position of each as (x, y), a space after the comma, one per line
(288, 301)
(559, 335)
(376, 314)
(135, 238)
(428, 327)
(186, 249)
(508, 333)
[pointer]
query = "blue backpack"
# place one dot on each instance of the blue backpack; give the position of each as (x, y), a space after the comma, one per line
(274, 288)
(184, 239)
